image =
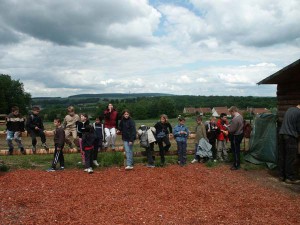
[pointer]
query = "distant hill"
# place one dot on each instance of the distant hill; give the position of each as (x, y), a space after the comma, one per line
(119, 95)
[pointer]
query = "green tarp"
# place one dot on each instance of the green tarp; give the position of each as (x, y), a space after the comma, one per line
(263, 141)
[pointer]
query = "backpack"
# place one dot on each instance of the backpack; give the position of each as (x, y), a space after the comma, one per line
(247, 130)
(144, 143)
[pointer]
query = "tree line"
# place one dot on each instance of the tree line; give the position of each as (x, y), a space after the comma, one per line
(12, 93)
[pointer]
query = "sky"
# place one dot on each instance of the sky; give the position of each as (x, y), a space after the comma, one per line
(184, 47)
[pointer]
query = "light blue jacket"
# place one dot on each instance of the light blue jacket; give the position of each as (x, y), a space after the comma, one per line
(181, 137)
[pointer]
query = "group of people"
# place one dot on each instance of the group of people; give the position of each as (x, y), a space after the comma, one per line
(98, 136)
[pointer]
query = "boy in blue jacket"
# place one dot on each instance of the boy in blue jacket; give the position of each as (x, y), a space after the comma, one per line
(181, 133)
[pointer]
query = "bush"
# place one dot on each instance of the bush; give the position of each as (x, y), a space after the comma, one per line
(3, 167)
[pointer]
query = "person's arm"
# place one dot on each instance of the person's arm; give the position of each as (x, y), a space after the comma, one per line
(232, 128)
(64, 124)
(176, 132)
(133, 131)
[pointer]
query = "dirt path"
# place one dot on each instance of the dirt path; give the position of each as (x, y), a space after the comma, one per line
(193, 194)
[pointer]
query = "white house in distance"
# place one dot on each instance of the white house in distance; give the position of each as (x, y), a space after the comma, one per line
(216, 111)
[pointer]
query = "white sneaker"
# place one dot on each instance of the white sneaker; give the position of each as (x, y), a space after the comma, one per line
(90, 170)
(128, 167)
(194, 161)
(86, 170)
(95, 163)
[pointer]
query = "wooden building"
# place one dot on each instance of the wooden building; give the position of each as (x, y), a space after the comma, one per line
(288, 87)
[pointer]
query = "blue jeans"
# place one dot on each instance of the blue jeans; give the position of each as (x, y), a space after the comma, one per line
(181, 147)
(12, 135)
(129, 153)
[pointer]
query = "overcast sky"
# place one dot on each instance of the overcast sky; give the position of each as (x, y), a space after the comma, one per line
(194, 47)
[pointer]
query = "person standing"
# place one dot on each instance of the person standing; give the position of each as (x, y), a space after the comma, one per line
(99, 138)
(88, 141)
(163, 129)
(200, 132)
(236, 130)
(59, 142)
(15, 125)
(69, 125)
(127, 127)
(222, 138)
(35, 128)
(211, 132)
(110, 124)
(80, 127)
(181, 133)
(288, 149)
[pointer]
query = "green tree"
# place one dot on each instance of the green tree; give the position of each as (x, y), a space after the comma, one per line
(12, 93)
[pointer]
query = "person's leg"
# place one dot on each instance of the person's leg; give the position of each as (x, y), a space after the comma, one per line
(282, 157)
(291, 157)
(213, 148)
(9, 138)
(129, 153)
(219, 150)
(179, 152)
(224, 150)
(113, 138)
(196, 157)
(149, 156)
(161, 152)
(87, 158)
(33, 138)
(152, 151)
(234, 151)
(67, 137)
(62, 159)
(43, 136)
(56, 157)
(107, 137)
(81, 151)
(184, 145)
(167, 142)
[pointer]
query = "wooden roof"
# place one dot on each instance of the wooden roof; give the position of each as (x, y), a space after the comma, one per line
(288, 74)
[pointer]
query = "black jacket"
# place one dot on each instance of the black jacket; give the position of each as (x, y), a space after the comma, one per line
(80, 127)
(59, 137)
(163, 127)
(15, 123)
(127, 127)
(34, 121)
(88, 140)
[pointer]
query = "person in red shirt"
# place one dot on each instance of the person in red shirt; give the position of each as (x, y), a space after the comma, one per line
(110, 125)
(222, 138)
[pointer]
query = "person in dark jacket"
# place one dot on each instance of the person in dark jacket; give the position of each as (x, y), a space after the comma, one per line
(35, 128)
(110, 124)
(59, 142)
(81, 129)
(88, 141)
(212, 133)
(99, 138)
(236, 131)
(163, 129)
(127, 127)
(15, 125)
(288, 148)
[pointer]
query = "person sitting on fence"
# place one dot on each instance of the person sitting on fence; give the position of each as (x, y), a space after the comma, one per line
(163, 129)
(147, 139)
(69, 125)
(181, 133)
(35, 128)
(200, 132)
(15, 124)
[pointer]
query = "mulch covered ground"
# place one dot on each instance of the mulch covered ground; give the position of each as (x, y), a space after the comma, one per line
(193, 194)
